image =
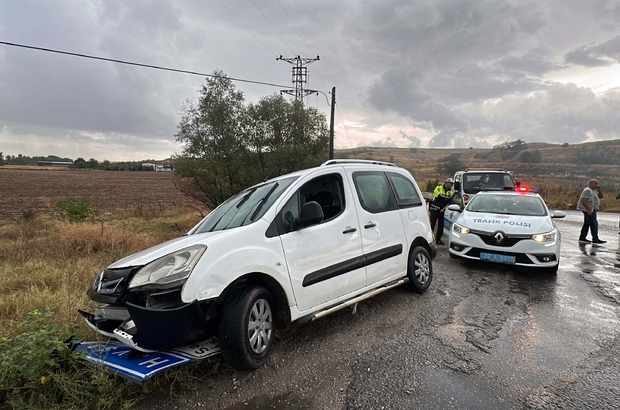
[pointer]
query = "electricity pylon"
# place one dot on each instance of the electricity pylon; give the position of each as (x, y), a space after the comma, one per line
(300, 76)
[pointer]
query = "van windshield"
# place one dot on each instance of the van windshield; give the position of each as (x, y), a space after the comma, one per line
(474, 182)
(244, 208)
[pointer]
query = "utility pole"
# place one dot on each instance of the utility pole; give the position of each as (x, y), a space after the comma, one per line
(331, 125)
(300, 76)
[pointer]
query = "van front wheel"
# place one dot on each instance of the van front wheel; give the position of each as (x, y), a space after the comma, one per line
(247, 328)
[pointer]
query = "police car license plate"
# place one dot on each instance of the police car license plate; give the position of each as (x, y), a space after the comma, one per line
(493, 257)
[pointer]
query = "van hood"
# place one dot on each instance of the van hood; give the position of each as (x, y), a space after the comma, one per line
(513, 224)
(149, 255)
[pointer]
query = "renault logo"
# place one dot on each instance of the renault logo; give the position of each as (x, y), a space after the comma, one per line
(499, 237)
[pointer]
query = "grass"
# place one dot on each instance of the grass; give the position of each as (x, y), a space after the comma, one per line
(48, 265)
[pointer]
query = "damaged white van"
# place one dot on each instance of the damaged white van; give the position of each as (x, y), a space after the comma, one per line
(307, 244)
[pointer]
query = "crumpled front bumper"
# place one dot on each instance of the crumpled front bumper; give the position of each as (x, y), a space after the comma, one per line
(148, 329)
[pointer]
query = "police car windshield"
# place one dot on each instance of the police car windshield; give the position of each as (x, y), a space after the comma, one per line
(474, 182)
(508, 204)
(245, 207)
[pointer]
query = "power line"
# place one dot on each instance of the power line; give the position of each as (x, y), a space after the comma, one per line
(246, 28)
(289, 19)
(141, 65)
(274, 29)
(345, 131)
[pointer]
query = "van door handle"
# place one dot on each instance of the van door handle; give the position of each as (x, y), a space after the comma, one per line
(370, 225)
(349, 230)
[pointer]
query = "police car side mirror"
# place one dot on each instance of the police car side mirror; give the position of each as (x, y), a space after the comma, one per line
(558, 214)
(454, 207)
(311, 214)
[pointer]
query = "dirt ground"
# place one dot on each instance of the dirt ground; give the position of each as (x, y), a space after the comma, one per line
(39, 189)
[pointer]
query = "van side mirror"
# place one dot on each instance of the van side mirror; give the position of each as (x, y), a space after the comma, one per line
(517, 184)
(311, 214)
(457, 186)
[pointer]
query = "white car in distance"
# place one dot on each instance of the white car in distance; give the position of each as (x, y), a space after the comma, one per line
(513, 228)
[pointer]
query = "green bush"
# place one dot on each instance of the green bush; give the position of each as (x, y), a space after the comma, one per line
(76, 210)
(531, 157)
(431, 185)
(29, 360)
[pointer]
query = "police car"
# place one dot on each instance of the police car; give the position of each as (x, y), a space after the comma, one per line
(305, 244)
(508, 227)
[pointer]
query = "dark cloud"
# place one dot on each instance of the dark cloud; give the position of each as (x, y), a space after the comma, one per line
(602, 54)
(414, 142)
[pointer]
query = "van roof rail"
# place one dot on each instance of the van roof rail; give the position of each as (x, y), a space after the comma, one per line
(356, 161)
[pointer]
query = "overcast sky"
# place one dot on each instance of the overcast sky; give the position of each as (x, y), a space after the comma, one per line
(408, 73)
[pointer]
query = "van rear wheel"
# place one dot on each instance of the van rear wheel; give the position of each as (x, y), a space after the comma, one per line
(247, 328)
(419, 270)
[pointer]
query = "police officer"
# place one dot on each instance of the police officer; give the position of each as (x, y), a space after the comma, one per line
(441, 199)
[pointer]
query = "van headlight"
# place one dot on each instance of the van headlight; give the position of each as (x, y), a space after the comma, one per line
(169, 269)
(545, 237)
(460, 229)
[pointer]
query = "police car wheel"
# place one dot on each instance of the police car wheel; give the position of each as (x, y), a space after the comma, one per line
(419, 270)
(247, 327)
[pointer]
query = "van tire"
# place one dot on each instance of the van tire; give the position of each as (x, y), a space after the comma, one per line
(419, 270)
(248, 313)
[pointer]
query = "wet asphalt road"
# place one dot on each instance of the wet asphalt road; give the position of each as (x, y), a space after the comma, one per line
(484, 336)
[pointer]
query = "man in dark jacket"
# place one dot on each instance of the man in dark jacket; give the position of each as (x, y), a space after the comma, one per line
(441, 200)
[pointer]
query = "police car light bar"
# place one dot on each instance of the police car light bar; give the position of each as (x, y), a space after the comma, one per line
(526, 189)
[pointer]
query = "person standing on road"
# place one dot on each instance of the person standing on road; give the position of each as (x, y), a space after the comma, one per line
(441, 199)
(589, 203)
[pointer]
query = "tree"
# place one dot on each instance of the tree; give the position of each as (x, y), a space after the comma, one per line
(1, 159)
(516, 145)
(229, 145)
(93, 163)
(531, 157)
(510, 149)
(81, 163)
(449, 165)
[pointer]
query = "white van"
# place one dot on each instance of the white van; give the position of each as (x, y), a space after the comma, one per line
(308, 244)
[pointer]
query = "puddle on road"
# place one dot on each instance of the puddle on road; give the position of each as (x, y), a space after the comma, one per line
(443, 292)
(283, 401)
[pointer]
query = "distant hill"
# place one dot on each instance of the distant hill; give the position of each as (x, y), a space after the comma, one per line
(571, 164)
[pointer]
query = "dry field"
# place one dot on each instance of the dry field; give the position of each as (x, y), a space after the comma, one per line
(38, 190)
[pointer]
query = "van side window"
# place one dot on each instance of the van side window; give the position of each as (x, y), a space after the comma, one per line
(374, 192)
(326, 190)
(406, 194)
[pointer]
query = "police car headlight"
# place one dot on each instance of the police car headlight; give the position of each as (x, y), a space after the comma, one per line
(169, 269)
(545, 237)
(460, 229)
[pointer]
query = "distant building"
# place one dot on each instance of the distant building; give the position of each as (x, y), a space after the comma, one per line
(164, 166)
(55, 164)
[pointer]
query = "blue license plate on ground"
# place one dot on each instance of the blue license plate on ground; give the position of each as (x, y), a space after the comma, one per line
(493, 257)
(115, 356)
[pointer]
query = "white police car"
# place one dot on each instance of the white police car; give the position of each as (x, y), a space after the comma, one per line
(308, 244)
(506, 227)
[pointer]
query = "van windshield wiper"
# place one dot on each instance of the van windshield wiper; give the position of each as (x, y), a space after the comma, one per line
(262, 201)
